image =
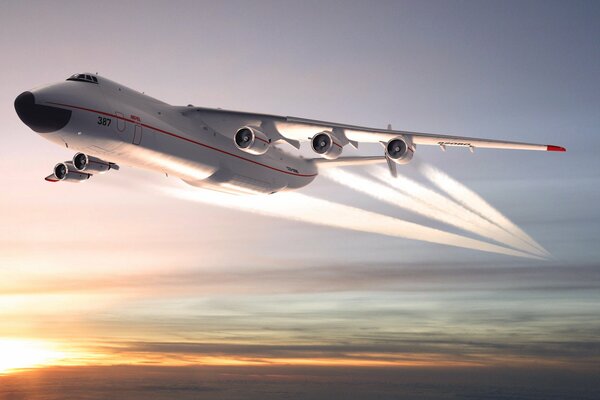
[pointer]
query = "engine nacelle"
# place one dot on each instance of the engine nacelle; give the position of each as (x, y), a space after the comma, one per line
(66, 172)
(399, 150)
(326, 146)
(251, 140)
(90, 165)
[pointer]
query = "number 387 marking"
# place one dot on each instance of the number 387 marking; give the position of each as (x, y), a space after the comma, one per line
(104, 121)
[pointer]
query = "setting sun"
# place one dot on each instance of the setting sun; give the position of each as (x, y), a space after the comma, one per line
(19, 354)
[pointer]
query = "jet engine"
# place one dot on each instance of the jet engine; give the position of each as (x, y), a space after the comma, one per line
(399, 150)
(66, 172)
(90, 165)
(251, 140)
(325, 145)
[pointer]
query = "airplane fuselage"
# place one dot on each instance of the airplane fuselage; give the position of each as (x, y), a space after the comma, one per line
(123, 126)
(237, 152)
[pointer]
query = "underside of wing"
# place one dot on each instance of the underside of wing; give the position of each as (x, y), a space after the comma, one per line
(303, 129)
(294, 130)
(255, 133)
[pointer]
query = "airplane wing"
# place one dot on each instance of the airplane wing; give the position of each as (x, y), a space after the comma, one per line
(294, 130)
(330, 137)
(300, 127)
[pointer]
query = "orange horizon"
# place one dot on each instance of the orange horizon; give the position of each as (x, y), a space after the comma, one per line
(51, 354)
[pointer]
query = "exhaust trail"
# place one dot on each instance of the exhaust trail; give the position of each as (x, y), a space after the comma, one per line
(298, 207)
(392, 196)
(463, 217)
(477, 204)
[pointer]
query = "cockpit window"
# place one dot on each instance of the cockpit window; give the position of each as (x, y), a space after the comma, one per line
(83, 78)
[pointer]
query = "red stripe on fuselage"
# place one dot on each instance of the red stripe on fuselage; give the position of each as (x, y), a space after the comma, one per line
(182, 138)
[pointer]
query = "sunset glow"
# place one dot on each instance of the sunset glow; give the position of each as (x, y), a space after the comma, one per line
(17, 354)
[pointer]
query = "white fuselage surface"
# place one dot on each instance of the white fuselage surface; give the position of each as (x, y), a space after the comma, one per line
(114, 123)
(237, 152)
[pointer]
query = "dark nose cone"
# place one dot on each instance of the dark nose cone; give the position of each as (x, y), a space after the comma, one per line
(40, 118)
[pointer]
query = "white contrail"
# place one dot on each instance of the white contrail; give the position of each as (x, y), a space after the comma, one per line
(392, 196)
(461, 216)
(298, 207)
(477, 204)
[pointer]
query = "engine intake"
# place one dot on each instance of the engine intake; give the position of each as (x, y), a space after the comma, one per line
(399, 151)
(66, 172)
(325, 145)
(251, 140)
(91, 165)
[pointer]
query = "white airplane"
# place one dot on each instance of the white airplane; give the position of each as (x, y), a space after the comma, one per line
(237, 152)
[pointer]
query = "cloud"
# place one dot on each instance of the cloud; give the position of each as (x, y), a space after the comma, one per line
(276, 381)
(291, 277)
(476, 352)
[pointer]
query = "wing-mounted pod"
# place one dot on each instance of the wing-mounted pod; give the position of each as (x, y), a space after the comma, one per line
(399, 150)
(91, 165)
(251, 140)
(66, 172)
(330, 144)
(81, 168)
(326, 145)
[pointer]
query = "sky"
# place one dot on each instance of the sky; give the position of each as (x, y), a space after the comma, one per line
(137, 270)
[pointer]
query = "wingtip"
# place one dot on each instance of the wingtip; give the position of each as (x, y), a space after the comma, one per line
(555, 148)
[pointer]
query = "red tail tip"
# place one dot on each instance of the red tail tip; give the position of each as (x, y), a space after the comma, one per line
(555, 148)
